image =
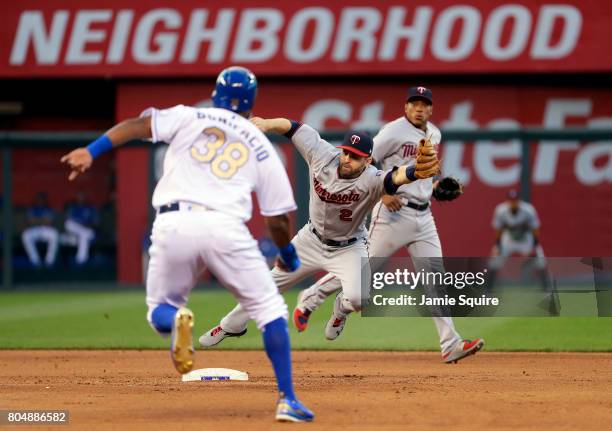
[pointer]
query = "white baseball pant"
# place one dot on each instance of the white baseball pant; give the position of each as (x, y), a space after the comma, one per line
(185, 243)
(34, 234)
(524, 247)
(389, 231)
(348, 264)
(84, 236)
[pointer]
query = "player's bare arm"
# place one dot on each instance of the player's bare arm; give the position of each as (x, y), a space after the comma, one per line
(279, 228)
(81, 159)
(427, 166)
(280, 231)
(279, 126)
(392, 202)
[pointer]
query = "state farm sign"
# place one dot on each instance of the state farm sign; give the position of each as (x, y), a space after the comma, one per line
(571, 182)
(135, 39)
(492, 164)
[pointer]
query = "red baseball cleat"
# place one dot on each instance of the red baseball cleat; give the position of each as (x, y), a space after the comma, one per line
(462, 350)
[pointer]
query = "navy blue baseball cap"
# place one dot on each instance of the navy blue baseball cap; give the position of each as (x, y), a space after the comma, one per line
(422, 93)
(513, 194)
(358, 142)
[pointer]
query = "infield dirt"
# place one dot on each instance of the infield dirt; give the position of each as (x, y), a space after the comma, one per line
(139, 390)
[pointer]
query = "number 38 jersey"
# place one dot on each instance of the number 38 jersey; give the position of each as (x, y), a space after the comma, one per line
(338, 207)
(217, 158)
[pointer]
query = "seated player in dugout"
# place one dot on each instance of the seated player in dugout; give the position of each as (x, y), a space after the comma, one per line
(40, 229)
(344, 187)
(81, 220)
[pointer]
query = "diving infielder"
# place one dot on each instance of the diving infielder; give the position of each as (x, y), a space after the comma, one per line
(215, 159)
(403, 219)
(344, 187)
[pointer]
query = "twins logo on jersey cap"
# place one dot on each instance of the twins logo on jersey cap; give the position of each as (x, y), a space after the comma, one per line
(358, 142)
(512, 194)
(422, 93)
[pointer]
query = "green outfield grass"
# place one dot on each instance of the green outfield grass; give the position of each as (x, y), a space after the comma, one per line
(116, 319)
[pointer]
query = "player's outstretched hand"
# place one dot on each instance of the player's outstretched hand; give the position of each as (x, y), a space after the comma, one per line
(79, 161)
(392, 202)
(260, 123)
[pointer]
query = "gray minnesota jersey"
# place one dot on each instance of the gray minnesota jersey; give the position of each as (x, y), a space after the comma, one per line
(520, 224)
(338, 207)
(396, 145)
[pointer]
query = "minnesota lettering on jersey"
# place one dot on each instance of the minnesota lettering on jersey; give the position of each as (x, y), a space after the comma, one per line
(409, 150)
(334, 198)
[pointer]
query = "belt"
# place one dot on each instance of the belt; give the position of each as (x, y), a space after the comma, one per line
(331, 242)
(418, 207)
(181, 206)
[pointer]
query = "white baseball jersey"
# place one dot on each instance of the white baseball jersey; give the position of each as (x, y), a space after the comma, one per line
(396, 145)
(338, 207)
(216, 158)
(518, 225)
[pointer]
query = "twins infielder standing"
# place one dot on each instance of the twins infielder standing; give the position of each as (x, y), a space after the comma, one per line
(517, 231)
(344, 187)
(404, 219)
(215, 159)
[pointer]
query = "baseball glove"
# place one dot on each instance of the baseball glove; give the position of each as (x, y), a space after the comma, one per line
(427, 163)
(447, 189)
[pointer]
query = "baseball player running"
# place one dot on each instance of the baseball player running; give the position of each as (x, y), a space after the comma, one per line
(344, 187)
(215, 159)
(403, 219)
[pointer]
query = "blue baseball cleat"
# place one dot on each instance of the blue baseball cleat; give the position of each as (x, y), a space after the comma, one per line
(292, 411)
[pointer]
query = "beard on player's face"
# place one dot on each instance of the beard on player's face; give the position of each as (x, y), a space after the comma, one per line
(351, 165)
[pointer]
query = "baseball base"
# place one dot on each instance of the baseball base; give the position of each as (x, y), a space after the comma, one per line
(209, 374)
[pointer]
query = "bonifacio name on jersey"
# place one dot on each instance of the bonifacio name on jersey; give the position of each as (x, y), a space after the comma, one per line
(412, 279)
(261, 153)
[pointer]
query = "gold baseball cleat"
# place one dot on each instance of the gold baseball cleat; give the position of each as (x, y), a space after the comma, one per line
(182, 350)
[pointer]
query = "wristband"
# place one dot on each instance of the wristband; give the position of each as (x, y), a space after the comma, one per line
(100, 146)
(290, 258)
(410, 173)
(390, 187)
(294, 126)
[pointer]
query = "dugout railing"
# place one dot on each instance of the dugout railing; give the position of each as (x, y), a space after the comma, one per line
(10, 141)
